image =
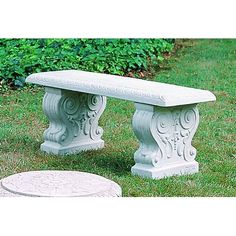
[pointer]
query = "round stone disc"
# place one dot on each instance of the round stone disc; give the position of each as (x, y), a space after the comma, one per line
(60, 184)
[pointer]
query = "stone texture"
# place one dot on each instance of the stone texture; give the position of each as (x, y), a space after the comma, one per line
(165, 136)
(73, 121)
(58, 184)
(165, 120)
(137, 90)
(5, 193)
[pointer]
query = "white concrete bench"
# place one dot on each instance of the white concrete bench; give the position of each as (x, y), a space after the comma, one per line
(165, 120)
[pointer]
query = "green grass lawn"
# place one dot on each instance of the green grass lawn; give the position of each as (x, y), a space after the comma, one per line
(205, 64)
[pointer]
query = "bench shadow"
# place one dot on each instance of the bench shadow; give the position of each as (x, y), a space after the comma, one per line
(96, 162)
(106, 161)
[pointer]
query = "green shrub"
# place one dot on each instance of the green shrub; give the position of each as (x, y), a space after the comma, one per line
(21, 57)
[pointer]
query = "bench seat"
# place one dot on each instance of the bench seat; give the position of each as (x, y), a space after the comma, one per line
(136, 90)
(165, 120)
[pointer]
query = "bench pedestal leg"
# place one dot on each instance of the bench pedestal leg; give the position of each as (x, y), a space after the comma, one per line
(165, 135)
(73, 120)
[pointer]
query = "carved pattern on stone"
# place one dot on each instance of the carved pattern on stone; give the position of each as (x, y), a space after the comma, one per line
(58, 184)
(73, 116)
(136, 90)
(165, 134)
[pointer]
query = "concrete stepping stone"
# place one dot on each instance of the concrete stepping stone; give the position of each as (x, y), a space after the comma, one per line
(58, 184)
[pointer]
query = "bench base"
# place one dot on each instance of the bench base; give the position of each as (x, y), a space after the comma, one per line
(73, 121)
(53, 148)
(166, 171)
(165, 135)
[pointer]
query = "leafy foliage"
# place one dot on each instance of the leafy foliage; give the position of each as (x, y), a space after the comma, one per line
(21, 57)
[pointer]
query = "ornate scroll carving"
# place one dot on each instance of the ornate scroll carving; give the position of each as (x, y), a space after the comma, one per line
(73, 120)
(165, 135)
(176, 129)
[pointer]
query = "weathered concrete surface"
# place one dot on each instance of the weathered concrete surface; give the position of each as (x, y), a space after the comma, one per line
(58, 184)
(137, 90)
(165, 120)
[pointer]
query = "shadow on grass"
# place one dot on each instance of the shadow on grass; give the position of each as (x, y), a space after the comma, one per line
(99, 162)
(108, 161)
